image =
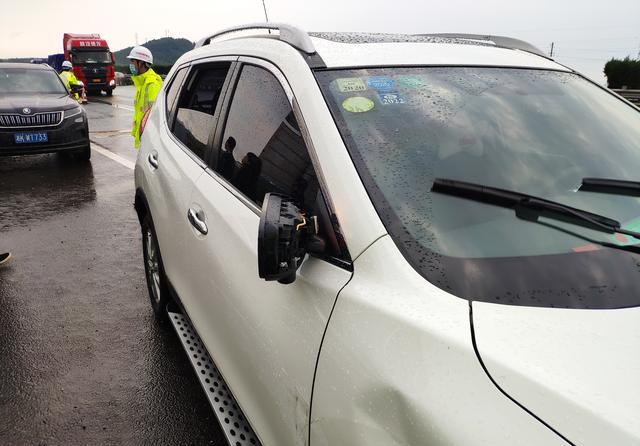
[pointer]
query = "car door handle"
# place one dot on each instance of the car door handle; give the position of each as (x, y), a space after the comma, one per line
(197, 221)
(153, 160)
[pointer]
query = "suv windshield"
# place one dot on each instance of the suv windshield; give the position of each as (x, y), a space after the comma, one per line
(24, 80)
(91, 57)
(537, 132)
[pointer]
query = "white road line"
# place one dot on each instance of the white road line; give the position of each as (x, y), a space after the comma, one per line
(115, 105)
(124, 107)
(117, 158)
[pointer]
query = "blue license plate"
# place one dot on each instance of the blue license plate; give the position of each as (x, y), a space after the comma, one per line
(30, 137)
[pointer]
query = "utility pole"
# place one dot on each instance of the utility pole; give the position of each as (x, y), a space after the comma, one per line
(265, 11)
(551, 52)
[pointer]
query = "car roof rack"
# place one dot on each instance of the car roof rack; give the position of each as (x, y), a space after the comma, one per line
(292, 35)
(501, 41)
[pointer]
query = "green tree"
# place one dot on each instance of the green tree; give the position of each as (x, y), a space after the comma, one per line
(623, 73)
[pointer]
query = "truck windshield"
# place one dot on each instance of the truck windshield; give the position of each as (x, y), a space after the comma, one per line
(24, 80)
(91, 57)
(538, 132)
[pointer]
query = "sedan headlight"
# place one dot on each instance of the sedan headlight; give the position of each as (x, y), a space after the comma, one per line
(72, 112)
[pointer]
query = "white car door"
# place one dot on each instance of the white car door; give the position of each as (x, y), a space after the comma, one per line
(263, 336)
(177, 158)
(160, 161)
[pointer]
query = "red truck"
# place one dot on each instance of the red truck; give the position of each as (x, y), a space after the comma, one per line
(93, 62)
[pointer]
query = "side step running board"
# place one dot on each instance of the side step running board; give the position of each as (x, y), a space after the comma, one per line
(232, 421)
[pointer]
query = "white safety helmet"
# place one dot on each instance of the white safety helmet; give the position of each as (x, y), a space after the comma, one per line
(66, 65)
(141, 53)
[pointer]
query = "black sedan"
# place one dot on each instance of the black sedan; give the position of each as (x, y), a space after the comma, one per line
(37, 115)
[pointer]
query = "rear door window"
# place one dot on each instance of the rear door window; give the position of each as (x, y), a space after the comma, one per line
(172, 94)
(196, 107)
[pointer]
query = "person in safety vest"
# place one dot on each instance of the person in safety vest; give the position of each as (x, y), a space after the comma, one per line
(70, 80)
(147, 84)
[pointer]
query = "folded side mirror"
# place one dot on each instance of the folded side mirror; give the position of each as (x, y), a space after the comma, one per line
(282, 238)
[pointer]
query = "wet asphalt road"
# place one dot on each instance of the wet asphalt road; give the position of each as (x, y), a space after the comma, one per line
(82, 360)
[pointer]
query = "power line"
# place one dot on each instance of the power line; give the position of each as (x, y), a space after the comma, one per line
(582, 58)
(588, 28)
(596, 50)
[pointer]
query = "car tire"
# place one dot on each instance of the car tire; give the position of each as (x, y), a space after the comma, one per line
(154, 270)
(109, 92)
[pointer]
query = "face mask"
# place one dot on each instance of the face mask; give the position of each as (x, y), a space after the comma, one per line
(133, 69)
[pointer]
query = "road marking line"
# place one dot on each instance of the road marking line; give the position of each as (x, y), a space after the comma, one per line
(117, 158)
(124, 107)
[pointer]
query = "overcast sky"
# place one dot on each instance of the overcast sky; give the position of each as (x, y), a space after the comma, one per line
(586, 32)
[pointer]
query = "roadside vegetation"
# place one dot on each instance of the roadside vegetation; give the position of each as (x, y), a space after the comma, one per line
(623, 73)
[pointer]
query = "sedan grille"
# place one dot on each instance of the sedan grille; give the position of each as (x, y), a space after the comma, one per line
(47, 119)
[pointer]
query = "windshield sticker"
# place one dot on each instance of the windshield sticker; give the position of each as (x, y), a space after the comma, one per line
(358, 104)
(410, 82)
(627, 240)
(586, 248)
(391, 97)
(381, 83)
(350, 84)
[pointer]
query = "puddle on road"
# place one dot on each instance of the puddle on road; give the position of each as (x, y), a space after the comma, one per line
(37, 187)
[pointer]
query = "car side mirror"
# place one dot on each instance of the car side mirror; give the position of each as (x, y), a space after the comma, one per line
(285, 235)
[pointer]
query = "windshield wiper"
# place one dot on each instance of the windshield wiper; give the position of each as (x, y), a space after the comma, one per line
(610, 186)
(528, 207)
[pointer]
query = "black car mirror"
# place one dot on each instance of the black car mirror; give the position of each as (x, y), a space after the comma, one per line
(285, 235)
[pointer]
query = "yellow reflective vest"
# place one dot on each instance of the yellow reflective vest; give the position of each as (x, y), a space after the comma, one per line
(147, 85)
(69, 79)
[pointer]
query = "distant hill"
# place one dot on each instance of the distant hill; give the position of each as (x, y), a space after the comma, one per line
(165, 51)
(19, 59)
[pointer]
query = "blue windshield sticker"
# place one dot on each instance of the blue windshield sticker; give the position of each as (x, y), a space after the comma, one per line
(381, 83)
(350, 84)
(410, 82)
(391, 97)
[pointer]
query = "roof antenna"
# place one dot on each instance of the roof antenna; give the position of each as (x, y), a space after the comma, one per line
(266, 17)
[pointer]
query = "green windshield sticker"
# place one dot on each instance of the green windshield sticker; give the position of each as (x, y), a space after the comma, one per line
(358, 104)
(410, 82)
(627, 240)
(350, 84)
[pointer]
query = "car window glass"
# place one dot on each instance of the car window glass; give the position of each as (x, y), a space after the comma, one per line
(263, 149)
(195, 120)
(172, 93)
(30, 80)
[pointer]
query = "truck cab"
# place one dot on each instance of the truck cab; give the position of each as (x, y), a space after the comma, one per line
(93, 62)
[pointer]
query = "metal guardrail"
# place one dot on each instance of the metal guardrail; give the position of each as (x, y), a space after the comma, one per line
(630, 95)
(125, 79)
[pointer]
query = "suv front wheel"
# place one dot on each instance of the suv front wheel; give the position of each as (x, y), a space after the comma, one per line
(154, 271)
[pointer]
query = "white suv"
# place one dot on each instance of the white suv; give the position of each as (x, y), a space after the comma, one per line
(447, 229)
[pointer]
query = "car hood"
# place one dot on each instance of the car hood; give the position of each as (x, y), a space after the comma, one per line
(577, 370)
(14, 103)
